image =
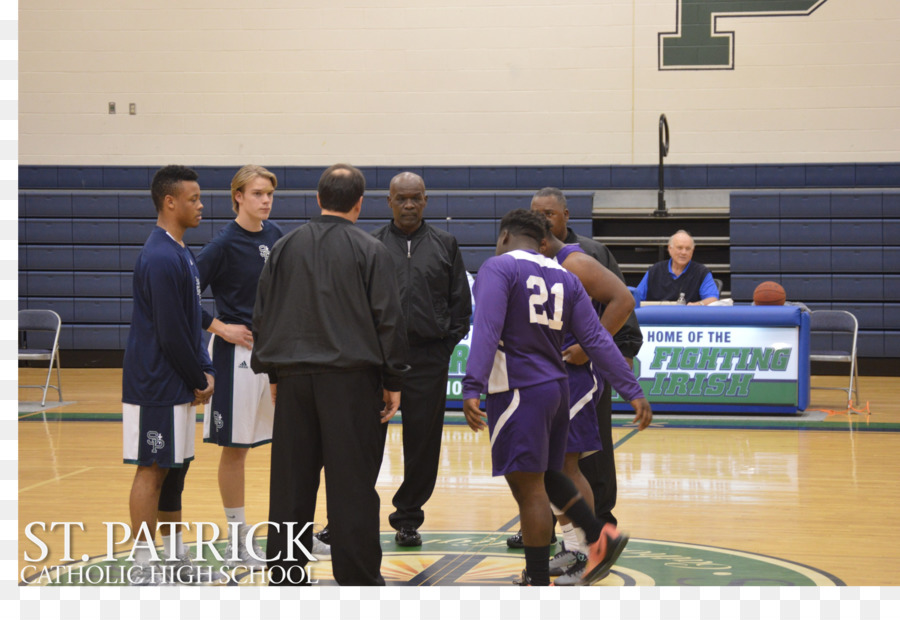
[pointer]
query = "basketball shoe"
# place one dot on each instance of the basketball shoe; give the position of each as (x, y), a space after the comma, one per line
(324, 535)
(573, 574)
(320, 549)
(524, 580)
(244, 557)
(563, 561)
(149, 574)
(602, 554)
(515, 541)
(182, 571)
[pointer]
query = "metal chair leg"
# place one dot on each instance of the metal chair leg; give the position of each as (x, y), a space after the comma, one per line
(58, 379)
(47, 383)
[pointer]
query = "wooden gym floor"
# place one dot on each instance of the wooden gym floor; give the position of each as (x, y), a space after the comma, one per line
(703, 497)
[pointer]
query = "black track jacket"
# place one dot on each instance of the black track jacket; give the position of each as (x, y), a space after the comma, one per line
(327, 301)
(434, 290)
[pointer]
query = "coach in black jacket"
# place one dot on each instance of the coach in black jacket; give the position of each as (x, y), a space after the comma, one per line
(600, 467)
(328, 329)
(437, 305)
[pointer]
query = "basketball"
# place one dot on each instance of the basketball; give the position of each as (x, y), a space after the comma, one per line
(769, 294)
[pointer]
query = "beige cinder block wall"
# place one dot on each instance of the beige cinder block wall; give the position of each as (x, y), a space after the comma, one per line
(450, 82)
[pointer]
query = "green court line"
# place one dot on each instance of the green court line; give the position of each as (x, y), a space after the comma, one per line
(856, 423)
(625, 438)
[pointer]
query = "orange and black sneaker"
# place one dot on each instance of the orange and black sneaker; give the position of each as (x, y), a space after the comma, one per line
(603, 553)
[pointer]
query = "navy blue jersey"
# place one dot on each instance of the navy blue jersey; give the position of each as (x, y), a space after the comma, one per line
(230, 264)
(525, 304)
(165, 358)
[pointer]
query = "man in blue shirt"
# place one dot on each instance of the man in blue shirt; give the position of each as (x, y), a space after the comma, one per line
(166, 371)
(678, 279)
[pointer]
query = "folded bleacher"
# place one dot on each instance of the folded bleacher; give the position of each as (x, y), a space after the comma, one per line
(830, 249)
(80, 230)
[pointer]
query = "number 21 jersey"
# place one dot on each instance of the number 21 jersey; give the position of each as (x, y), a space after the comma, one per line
(525, 304)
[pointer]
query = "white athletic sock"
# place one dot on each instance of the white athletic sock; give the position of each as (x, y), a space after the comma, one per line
(142, 555)
(570, 537)
(167, 542)
(235, 515)
(582, 540)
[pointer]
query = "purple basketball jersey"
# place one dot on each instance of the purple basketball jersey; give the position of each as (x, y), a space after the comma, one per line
(525, 304)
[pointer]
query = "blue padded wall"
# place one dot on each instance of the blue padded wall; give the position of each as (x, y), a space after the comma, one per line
(81, 228)
(831, 249)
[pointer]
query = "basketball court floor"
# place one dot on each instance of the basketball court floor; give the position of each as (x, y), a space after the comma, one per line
(808, 500)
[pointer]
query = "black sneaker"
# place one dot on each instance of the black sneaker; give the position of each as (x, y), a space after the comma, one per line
(324, 535)
(408, 537)
(515, 541)
(525, 580)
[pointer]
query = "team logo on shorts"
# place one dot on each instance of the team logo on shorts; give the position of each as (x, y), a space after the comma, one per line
(197, 284)
(155, 440)
(264, 252)
(217, 420)
(243, 365)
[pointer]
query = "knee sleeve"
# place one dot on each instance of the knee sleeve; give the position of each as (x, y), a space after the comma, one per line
(172, 486)
(559, 488)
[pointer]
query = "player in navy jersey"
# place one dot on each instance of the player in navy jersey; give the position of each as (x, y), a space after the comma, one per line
(585, 388)
(239, 416)
(525, 304)
(166, 372)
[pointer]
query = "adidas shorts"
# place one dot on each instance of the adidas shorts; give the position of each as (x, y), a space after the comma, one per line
(161, 435)
(240, 413)
(584, 395)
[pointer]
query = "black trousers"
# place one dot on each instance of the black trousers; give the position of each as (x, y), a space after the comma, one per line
(600, 467)
(330, 420)
(423, 402)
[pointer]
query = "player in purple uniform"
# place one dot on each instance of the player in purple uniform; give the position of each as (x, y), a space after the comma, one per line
(585, 388)
(525, 304)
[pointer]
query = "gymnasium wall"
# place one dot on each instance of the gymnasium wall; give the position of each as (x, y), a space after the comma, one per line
(470, 82)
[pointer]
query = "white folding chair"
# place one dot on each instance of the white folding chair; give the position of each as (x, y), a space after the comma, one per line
(836, 322)
(47, 321)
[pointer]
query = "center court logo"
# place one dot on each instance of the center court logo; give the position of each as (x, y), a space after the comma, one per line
(482, 559)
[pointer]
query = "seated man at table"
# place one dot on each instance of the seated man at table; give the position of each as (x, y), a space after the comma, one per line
(679, 278)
